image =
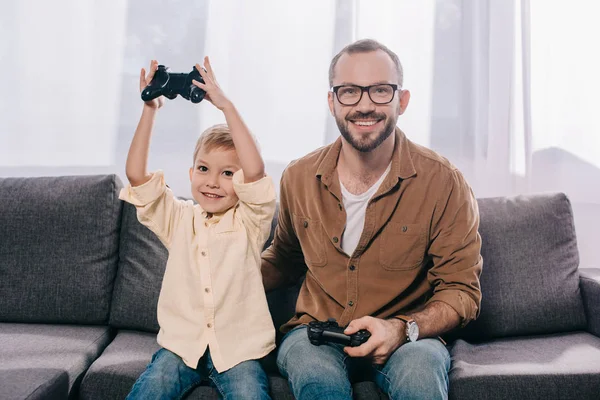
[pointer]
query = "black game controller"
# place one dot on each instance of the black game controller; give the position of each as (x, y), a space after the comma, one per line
(169, 84)
(330, 332)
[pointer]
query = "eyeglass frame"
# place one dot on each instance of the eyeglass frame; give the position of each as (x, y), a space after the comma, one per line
(364, 89)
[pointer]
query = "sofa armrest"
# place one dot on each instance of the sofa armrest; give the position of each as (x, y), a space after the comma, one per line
(589, 283)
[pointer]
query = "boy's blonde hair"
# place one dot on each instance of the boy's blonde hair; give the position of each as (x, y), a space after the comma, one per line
(216, 137)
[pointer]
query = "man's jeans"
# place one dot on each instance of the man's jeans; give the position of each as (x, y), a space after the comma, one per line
(415, 371)
(167, 377)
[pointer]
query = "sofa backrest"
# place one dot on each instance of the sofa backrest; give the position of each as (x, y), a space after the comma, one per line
(142, 262)
(59, 241)
(529, 281)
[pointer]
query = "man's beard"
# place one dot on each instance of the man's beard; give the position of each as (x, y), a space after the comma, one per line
(367, 145)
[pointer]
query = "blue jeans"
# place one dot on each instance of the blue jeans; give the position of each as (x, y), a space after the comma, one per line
(415, 371)
(167, 377)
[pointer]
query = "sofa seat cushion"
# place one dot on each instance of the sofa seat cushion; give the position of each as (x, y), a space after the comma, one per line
(558, 366)
(34, 384)
(113, 374)
(46, 361)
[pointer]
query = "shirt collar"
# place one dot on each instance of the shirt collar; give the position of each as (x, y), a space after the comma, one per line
(402, 163)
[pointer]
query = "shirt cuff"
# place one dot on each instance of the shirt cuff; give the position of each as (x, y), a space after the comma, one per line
(145, 193)
(261, 191)
(460, 302)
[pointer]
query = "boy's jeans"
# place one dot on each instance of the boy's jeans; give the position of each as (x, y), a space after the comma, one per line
(167, 377)
(415, 371)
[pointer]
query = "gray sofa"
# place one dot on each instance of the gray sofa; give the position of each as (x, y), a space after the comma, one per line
(80, 277)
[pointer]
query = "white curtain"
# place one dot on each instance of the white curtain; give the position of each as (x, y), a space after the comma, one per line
(61, 64)
(506, 89)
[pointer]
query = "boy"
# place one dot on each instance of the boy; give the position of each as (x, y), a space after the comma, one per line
(212, 309)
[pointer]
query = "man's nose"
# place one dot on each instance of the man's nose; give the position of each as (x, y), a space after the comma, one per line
(365, 104)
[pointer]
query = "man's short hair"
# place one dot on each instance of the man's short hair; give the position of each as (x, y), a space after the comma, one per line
(216, 137)
(366, 46)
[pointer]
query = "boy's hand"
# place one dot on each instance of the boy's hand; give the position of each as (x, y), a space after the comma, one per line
(145, 81)
(214, 94)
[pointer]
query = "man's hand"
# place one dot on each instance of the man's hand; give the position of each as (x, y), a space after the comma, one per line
(145, 80)
(214, 94)
(386, 337)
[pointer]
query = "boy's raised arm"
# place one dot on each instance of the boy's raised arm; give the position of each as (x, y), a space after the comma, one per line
(250, 159)
(137, 158)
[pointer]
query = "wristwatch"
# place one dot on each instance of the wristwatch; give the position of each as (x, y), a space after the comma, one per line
(412, 329)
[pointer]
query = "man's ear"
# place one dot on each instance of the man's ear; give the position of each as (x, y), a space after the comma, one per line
(404, 100)
(330, 101)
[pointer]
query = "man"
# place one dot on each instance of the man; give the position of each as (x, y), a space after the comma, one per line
(386, 232)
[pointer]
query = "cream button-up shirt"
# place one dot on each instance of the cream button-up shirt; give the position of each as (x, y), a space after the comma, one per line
(212, 293)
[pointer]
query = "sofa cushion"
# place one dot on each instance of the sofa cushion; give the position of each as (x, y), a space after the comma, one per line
(34, 383)
(47, 361)
(559, 366)
(529, 281)
(589, 282)
(59, 241)
(142, 262)
(113, 374)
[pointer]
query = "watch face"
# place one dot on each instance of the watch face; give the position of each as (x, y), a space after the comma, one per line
(413, 332)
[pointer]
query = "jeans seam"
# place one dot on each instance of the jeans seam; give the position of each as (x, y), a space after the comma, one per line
(219, 388)
(389, 383)
(216, 382)
(190, 386)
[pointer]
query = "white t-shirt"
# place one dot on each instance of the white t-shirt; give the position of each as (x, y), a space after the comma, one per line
(356, 207)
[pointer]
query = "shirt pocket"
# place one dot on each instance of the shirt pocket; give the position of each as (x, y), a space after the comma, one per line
(402, 246)
(310, 234)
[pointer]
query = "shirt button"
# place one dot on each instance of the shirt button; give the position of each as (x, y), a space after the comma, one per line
(203, 253)
(209, 325)
(352, 268)
(306, 224)
(207, 290)
(350, 303)
(335, 239)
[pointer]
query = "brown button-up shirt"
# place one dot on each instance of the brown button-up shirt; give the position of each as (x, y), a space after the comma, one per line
(419, 243)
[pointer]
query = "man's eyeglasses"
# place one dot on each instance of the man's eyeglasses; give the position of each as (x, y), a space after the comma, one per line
(350, 95)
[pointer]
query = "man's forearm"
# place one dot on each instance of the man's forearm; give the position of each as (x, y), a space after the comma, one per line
(436, 319)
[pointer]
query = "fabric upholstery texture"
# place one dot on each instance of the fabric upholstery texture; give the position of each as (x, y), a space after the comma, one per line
(142, 262)
(558, 366)
(59, 241)
(590, 289)
(42, 360)
(530, 280)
